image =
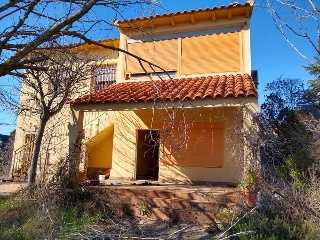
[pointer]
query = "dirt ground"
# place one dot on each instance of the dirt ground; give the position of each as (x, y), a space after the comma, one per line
(9, 187)
(134, 228)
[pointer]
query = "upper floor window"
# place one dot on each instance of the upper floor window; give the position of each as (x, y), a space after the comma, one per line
(203, 52)
(60, 80)
(103, 76)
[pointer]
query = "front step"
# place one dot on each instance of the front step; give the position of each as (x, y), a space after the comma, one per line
(170, 203)
(167, 214)
(175, 203)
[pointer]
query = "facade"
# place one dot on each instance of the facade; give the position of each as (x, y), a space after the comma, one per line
(174, 105)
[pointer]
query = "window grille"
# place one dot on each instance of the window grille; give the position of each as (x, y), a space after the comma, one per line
(60, 80)
(103, 77)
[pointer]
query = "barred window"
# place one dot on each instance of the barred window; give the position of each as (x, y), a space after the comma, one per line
(103, 77)
(60, 80)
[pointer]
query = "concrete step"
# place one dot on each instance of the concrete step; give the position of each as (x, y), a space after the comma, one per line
(174, 203)
(166, 214)
(167, 194)
(190, 205)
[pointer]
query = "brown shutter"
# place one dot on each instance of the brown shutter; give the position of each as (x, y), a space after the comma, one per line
(163, 53)
(211, 53)
(202, 147)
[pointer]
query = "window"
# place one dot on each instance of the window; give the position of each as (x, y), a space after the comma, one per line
(216, 53)
(60, 80)
(103, 77)
(163, 53)
(200, 145)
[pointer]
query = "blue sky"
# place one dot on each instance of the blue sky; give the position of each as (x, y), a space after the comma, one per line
(271, 54)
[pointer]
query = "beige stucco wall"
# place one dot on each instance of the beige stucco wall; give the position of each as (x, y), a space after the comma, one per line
(56, 140)
(126, 124)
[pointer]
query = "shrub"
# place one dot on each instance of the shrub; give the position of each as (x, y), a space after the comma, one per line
(45, 213)
(270, 225)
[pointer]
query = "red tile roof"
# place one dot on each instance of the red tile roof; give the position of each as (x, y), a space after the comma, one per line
(184, 88)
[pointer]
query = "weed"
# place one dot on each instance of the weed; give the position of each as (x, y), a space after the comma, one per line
(145, 209)
(270, 225)
(224, 215)
(7, 202)
(72, 221)
(43, 215)
(126, 209)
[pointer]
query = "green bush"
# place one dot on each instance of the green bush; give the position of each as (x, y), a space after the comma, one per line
(270, 225)
(24, 217)
(7, 202)
(292, 173)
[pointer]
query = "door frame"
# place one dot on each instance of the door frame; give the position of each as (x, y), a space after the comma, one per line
(136, 157)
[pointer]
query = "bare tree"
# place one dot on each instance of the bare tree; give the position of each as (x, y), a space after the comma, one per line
(295, 18)
(28, 24)
(46, 89)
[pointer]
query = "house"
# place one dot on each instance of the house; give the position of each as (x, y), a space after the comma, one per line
(174, 105)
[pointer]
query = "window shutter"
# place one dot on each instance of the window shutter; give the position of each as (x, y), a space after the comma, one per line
(163, 53)
(215, 53)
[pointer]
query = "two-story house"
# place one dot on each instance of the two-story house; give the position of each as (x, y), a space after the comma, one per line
(175, 105)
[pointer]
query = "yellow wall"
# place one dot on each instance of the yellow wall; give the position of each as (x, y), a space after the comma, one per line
(61, 132)
(205, 50)
(57, 138)
(198, 144)
(124, 145)
(234, 114)
(230, 171)
(100, 156)
(163, 53)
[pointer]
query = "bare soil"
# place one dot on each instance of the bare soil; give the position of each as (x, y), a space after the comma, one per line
(10, 187)
(113, 227)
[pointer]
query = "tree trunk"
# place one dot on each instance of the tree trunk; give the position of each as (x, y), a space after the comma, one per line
(36, 151)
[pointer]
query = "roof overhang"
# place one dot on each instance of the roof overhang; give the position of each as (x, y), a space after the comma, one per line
(232, 86)
(196, 103)
(234, 10)
(112, 42)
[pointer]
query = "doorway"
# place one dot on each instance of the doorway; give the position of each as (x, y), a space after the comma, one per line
(148, 148)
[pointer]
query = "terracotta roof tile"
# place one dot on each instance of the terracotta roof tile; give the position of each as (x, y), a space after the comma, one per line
(184, 88)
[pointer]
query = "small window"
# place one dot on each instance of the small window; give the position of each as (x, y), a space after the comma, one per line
(103, 77)
(59, 80)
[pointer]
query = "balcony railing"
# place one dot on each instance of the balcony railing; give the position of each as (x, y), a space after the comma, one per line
(21, 161)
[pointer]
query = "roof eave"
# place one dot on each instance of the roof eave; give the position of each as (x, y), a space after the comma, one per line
(212, 14)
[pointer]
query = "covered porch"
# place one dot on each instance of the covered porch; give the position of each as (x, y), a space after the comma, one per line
(199, 139)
